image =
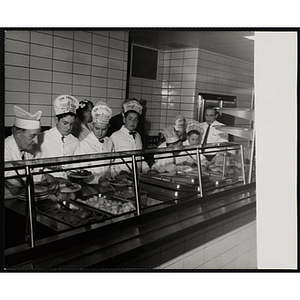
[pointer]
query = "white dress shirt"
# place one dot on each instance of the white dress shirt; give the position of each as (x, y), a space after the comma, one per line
(51, 145)
(214, 136)
(91, 145)
(123, 141)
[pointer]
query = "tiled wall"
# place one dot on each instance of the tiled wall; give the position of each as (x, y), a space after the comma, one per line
(182, 75)
(40, 65)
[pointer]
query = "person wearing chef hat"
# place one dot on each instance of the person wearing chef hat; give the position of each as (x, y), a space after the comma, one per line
(194, 134)
(97, 141)
(21, 146)
(179, 124)
(116, 122)
(127, 138)
(58, 141)
(172, 140)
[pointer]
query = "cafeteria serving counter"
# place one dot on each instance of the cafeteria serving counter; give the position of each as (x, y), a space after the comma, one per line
(155, 213)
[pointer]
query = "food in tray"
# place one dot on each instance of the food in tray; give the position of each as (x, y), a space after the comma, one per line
(114, 207)
(73, 217)
(128, 193)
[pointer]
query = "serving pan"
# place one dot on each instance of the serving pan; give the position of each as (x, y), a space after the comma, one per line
(70, 213)
(111, 206)
(167, 183)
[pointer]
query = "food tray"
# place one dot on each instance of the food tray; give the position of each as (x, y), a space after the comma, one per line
(167, 182)
(164, 193)
(149, 201)
(73, 214)
(113, 206)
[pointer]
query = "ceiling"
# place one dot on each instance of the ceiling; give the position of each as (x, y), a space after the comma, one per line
(227, 42)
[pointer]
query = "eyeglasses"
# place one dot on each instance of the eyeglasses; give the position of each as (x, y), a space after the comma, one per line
(210, 115)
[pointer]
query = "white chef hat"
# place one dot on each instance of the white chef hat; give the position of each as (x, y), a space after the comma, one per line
(26, 120)
(65, 104)
(194, 125)
(170, 135)
(179, 122)
(133, 105)
(101, 113)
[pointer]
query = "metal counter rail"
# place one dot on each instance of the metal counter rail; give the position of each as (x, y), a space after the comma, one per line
(107, 247)
(31, 167)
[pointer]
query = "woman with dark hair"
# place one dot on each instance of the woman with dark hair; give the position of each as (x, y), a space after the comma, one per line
(83, 124)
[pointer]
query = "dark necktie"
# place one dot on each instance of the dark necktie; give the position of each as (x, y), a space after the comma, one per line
(101, 141)
(206, 135)
(133, 133)
(63, 138)
(23, 155)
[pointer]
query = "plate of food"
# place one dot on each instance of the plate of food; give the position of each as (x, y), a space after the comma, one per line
(80, 174)
(120, 183)
(41, 192)
(69, 187)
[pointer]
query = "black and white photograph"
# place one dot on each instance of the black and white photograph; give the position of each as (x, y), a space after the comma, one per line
(149, 150)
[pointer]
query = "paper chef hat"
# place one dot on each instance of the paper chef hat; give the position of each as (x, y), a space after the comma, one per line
(65, 104)
(179, 122)
(170, 135)
(133, 105)
(101, 113)
(26, 120)
(194, 125)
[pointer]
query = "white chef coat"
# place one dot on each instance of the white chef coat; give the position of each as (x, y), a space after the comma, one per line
(214, 135)
(51, 145)
(167, 164)
(91, 145)
(12, 152)
(192, 158)
(123, 141)
(80, 131)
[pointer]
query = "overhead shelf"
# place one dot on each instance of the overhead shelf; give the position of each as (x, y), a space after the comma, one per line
(238, 112)
(245, 133)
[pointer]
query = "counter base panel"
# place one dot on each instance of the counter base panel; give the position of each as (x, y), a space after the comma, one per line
(124, 244)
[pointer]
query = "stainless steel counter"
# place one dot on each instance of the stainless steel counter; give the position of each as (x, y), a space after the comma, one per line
(118, 244)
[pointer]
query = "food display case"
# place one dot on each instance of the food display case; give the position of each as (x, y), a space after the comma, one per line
(57, 220)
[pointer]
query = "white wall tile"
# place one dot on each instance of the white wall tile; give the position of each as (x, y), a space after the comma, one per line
(41, 38)
(16, 47)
